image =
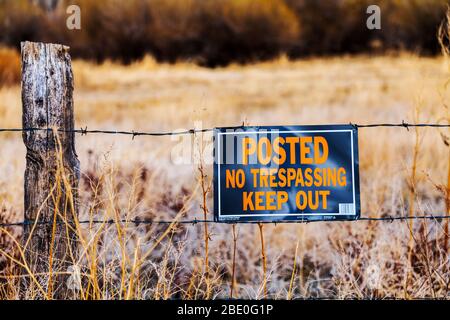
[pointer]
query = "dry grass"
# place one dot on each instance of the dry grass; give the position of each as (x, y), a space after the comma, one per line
(124, 178)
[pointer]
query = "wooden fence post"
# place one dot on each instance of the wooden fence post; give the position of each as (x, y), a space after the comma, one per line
(50, 188)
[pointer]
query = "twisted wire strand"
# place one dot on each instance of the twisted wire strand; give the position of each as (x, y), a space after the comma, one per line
(86, 131)
(138, 222)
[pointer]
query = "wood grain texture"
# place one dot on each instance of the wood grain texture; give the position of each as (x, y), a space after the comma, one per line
(47, 88)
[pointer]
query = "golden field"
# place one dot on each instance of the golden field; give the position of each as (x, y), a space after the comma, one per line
(137, 178)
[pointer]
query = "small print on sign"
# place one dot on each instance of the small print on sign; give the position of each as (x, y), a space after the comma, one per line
(295, 173)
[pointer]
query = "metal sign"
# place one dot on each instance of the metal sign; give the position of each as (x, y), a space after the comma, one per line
(294, 173)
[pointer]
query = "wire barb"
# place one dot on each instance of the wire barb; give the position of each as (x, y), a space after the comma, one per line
(84, 131)
(405, 125)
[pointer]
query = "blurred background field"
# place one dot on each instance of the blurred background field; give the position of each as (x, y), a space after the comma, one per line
(219, 32)
(145, 65)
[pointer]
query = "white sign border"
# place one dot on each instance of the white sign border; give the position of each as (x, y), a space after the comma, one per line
(287, 213)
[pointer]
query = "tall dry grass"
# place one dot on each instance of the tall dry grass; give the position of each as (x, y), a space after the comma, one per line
(402, 173)
(444, 41)
(124, 179)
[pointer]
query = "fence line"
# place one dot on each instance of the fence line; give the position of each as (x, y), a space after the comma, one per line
(86, 131)
(138, 222)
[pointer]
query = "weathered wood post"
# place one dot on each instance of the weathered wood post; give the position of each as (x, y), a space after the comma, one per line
(47, 86)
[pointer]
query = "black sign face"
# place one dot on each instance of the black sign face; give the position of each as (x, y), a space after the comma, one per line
(293, 173)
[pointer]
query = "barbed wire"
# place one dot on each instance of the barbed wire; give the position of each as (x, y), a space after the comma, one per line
(138, 222)
(86, 131)
(133, 133)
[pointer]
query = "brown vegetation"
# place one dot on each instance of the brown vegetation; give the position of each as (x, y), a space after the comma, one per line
(403, 172)
(126, 179)
(215, 33)
(9, 67)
